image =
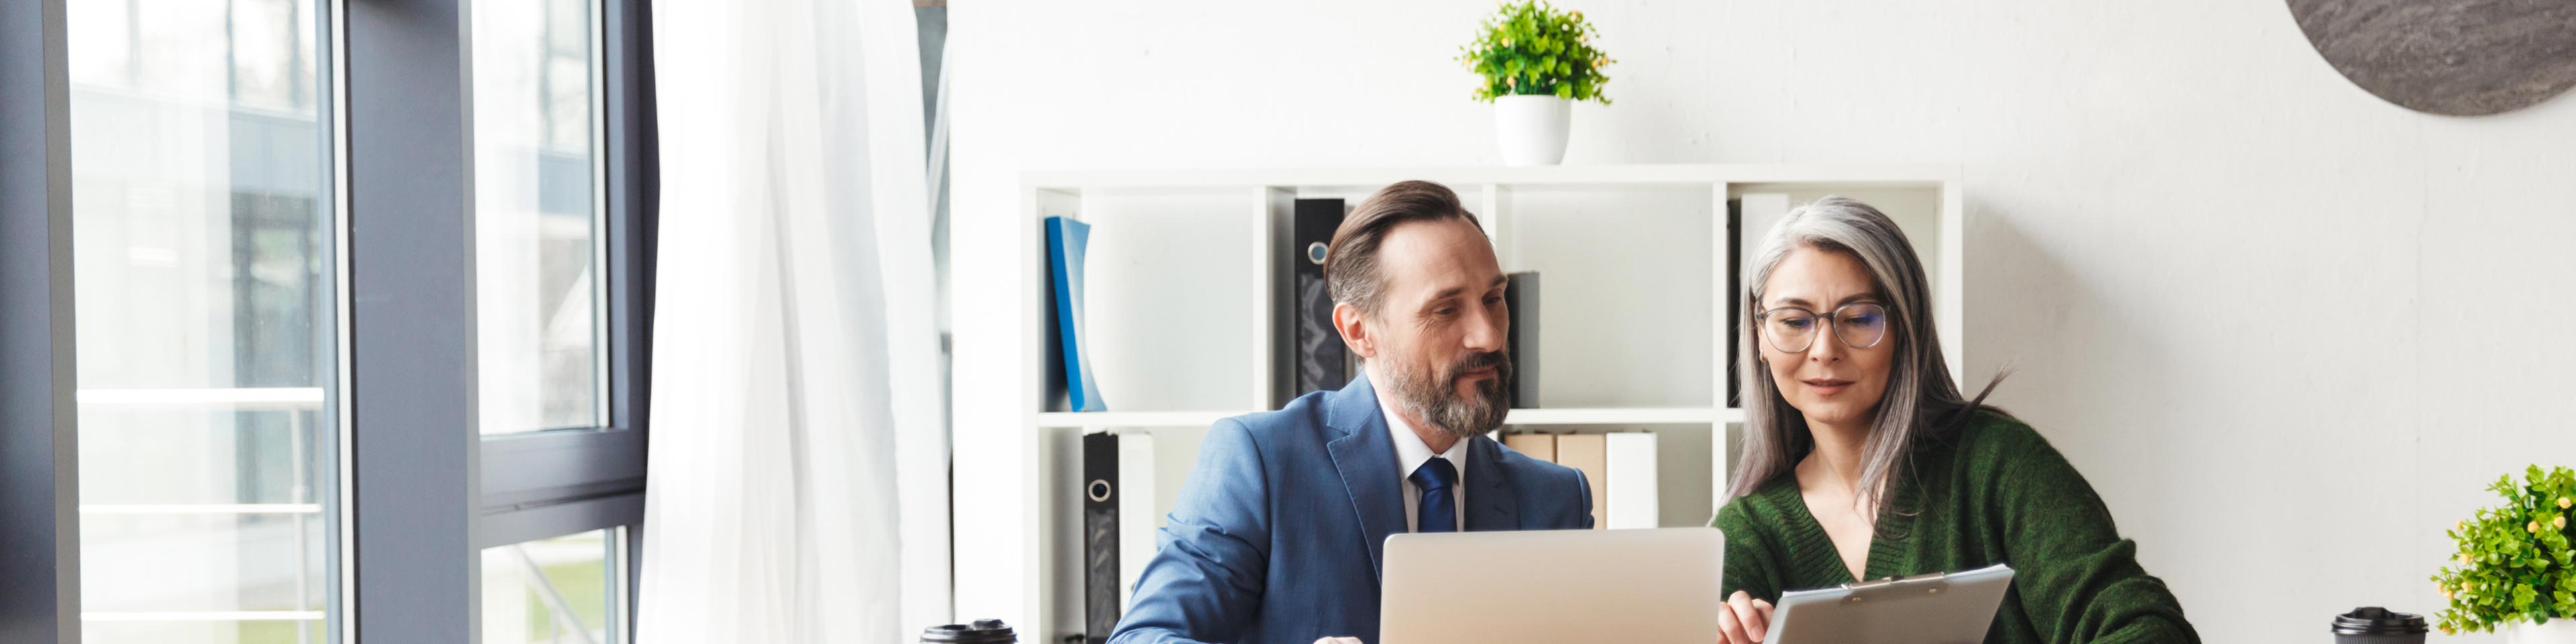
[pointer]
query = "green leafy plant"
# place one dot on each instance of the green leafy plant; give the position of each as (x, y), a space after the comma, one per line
(1530, 49)
(2514, 562)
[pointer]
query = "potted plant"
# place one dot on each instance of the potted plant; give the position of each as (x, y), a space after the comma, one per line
(2514, 566)
(1536, 61)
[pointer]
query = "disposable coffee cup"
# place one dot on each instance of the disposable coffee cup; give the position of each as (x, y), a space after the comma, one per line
(2375, 625)
(982, 631)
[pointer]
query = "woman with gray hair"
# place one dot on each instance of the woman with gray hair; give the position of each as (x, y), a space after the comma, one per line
(1863, 461)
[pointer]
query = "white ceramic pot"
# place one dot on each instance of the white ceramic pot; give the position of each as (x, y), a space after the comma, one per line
(2557, 631)
(1532, 128)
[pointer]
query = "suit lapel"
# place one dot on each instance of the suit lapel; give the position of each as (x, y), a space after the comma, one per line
(1366, 460)
(1490, 502)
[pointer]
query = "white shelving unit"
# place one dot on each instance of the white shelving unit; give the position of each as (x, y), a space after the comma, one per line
(1184, 270)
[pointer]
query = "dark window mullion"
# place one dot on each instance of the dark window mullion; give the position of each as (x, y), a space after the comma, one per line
(412, 322)
(39, 478)
(633, 203)
(520, 469)
(634, 171)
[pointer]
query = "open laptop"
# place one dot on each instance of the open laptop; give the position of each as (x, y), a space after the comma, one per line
(1552, 587)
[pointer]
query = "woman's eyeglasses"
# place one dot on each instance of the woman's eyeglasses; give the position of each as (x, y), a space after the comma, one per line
(1791, 329)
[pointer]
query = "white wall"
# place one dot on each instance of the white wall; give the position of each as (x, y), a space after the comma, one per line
(2283, 327)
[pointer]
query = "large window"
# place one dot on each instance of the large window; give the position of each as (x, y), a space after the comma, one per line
(323, 320)
(202, 254)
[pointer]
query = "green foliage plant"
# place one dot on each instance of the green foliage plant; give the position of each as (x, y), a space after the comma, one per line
(2514, 563)
(1532, 49)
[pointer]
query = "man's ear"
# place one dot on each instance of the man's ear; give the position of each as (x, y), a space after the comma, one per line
(1348, 319)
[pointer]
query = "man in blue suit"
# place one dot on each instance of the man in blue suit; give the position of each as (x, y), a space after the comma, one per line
(1280, 532)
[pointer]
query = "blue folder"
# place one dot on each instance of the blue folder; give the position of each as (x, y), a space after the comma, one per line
(1065, 241)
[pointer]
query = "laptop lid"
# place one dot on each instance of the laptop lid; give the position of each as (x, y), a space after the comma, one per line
(1552, 587)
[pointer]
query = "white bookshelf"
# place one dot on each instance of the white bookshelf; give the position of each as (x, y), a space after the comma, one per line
(1184, 270)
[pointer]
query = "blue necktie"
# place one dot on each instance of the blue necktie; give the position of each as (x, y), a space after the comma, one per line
(1439, 512)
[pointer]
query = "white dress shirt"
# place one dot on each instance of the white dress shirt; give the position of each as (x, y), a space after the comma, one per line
(1410, 454)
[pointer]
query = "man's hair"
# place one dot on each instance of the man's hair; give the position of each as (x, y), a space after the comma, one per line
(1350, 264)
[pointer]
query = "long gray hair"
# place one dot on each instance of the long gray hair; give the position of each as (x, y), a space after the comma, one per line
(1920, 401)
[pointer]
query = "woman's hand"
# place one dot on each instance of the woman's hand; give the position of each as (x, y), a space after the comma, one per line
(1743, 619)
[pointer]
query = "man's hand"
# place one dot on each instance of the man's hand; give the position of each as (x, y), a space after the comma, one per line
(1338, 640)
(1743, 619)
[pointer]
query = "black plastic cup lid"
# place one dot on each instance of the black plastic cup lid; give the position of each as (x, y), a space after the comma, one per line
(982, 631)
(2373, 620)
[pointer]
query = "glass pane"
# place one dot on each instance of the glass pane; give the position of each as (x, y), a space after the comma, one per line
(243, 631)
(212, 560)
(537, 225)
(203, 260)
(559, 591)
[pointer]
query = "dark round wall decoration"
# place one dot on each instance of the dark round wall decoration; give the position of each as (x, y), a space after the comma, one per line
(2454, 57)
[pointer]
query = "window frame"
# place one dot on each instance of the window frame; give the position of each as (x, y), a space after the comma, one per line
(422, 493)
(517, 487)
(39, 447)
(525, 471)
(408, 368)
(552, 483)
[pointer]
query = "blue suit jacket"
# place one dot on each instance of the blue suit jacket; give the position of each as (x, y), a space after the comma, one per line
(1280, 532)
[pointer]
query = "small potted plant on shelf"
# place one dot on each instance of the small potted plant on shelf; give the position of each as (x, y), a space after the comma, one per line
(2515, 568)
(1536, 62)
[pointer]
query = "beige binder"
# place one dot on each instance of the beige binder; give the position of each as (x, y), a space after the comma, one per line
(1590, 453)
(1538, 446)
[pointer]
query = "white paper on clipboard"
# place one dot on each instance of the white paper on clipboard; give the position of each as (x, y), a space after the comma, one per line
(1938, 608)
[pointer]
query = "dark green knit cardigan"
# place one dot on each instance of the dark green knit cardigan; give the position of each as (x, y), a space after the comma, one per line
(1989, 491)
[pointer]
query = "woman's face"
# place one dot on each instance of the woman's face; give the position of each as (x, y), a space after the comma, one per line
(1832, 383)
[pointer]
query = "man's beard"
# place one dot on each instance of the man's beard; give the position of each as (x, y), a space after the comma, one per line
(1434, 397)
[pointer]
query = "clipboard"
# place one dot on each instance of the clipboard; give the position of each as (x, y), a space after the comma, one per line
(1938, 608)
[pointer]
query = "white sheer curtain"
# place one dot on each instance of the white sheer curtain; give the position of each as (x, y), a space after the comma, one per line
(798, 488)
